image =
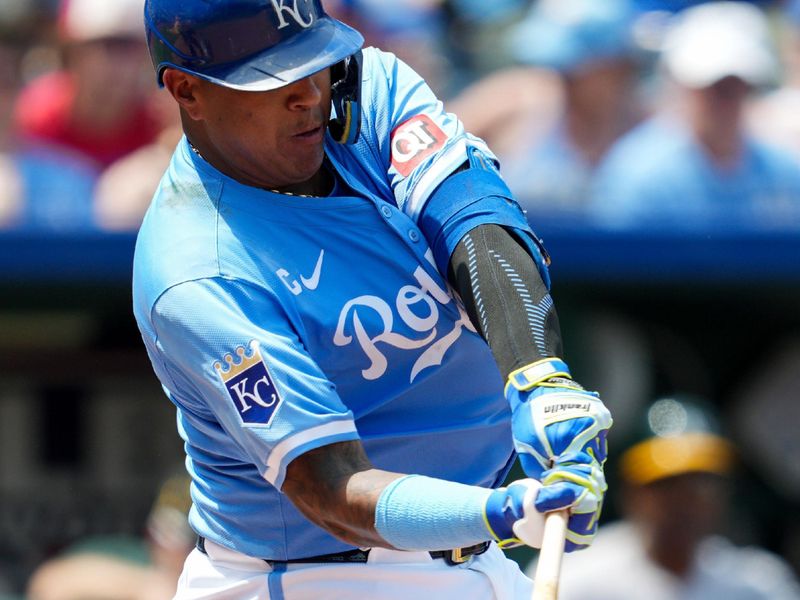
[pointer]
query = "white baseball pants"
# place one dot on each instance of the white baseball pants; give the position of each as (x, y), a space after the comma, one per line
(223, 574)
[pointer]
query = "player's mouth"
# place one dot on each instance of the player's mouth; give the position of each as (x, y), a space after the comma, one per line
(312, 135)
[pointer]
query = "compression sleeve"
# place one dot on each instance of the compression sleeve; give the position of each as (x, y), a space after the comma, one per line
(423, 513)
(505, 297)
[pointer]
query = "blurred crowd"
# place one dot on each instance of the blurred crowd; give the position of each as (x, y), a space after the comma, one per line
(122, 567)
(79, 105)
(653, 118)
(627, 113)
(673, 538)
(620, 113)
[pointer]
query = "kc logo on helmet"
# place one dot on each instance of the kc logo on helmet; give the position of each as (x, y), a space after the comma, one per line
(414, 141)
(250, 386)
(282, 8)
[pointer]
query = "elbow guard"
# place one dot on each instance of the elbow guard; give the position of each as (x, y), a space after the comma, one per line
(471, 197)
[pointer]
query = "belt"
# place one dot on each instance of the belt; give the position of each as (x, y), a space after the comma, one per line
(455, 556)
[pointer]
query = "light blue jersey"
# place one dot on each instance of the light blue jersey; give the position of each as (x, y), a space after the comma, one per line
(551, 175)
(659, 175)
(279, 324)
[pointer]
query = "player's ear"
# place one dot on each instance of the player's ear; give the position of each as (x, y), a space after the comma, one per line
(183, 87)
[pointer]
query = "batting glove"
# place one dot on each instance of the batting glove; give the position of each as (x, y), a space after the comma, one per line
(512, 517)
(560, 432)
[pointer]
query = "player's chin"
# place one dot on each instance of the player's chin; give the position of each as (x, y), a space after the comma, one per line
(304, 161)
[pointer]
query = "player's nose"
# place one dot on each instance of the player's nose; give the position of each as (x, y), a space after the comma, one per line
(304, 94)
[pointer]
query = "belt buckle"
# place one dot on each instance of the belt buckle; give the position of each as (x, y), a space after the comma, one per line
(456, 556)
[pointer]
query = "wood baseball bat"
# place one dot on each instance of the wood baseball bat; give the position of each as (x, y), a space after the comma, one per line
(548, 569)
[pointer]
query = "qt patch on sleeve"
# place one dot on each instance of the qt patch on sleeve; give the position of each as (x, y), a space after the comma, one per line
(414, 141)
(250, 386)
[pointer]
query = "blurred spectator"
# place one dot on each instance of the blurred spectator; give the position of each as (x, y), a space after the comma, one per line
(674, 495)
(590, 46)
(414, 30)
(476, 30)
(14, 25)
(510, 108)
(10, 192)
(104, 569)
(125, 189)
(696, 166)
(16, 20)
(119, 568)
(169, 537)
(71, 123)
(55, 190)
(775, 116)
(98, 105)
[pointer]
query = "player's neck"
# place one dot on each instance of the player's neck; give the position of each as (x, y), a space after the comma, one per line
(320, 185)
(675, 558)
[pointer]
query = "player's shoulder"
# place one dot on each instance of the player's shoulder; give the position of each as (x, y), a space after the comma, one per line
(762, 573)
(643, 170)
(382, 71)
(773, 161)
(747, 562)
(647, 145)
(202, 225)
(179, 237)
(616, 543)
(374, 58)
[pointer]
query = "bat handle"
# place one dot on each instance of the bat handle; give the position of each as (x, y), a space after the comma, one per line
(548, 568)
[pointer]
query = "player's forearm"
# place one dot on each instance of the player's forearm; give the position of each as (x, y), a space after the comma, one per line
(337, 488)
(505, 297)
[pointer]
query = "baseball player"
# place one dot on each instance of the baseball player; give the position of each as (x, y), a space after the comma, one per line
(352, 317)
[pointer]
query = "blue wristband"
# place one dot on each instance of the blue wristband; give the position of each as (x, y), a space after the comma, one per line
(533, 374)
(422, 513)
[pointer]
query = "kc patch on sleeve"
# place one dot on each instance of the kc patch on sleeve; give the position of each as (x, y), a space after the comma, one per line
(249, 385)
(414, 141)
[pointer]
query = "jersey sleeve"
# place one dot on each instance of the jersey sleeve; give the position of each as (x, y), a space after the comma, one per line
(419, 142)
(445, 179)
(229, 354)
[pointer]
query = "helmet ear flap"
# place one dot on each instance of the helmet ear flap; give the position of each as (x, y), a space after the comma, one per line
(344, 125)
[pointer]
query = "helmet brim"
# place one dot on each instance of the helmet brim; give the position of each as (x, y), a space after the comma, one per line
(325, 43)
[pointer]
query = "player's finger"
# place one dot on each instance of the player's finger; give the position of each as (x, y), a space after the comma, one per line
(558, 496)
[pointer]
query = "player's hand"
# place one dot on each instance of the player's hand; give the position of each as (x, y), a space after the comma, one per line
(512, 517)
(576, 482)
(560, 432)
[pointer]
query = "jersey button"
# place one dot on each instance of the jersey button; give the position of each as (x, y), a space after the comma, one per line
(386, 211)
(413, 235)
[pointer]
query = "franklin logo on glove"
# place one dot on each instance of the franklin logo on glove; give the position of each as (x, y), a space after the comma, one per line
(555, 408)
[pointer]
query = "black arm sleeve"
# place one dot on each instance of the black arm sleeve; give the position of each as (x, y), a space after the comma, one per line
(505, 297)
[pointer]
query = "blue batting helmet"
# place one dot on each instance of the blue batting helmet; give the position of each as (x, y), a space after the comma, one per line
(251, 45)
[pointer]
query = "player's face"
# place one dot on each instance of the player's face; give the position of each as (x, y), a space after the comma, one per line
(269, 139)
(603, 88)
(677, 512)
(718, 109)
